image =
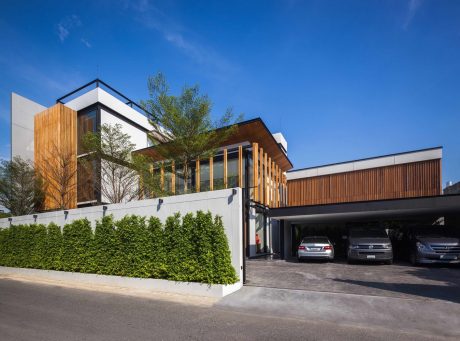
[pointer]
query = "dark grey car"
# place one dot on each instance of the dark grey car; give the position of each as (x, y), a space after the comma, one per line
(369, 244)
(434, 245)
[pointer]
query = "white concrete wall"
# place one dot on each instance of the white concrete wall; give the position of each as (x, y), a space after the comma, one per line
(138, 137)
(222, 202)
(102, 96)
(123, 283)
(382, 161)
(23, 111)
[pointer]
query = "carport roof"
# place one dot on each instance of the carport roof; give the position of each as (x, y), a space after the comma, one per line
(387, 209)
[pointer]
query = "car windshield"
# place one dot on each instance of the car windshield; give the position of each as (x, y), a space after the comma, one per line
(315, 240)
(368, 233)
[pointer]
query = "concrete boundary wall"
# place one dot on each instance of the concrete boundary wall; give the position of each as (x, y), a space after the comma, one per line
(144, 284)
(227, 203)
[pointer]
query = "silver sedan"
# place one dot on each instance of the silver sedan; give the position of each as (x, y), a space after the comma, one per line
(315, 248)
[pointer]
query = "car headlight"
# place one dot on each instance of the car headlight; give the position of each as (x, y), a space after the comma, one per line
(421, 247)
(386, 246)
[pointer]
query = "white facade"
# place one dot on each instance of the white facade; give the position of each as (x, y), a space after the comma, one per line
(138, 137)
(382, 161)
(103, 97)
(23, 111)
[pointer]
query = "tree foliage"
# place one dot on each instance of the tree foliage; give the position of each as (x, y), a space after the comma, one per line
(120, 170)
(21, 189)
(183, 124)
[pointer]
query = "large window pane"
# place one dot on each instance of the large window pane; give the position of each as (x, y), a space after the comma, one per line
(218, 173)
(232, 172)
(204, 177)
(86, 180)
(86, 122)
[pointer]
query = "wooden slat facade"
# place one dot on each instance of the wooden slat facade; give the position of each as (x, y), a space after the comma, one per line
(55, 141)
(408, 180)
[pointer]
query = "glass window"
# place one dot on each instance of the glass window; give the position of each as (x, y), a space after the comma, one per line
(261, 233)
(218, 173)
(86, 180)
(232, 172)
(204, 177)
(86, 122)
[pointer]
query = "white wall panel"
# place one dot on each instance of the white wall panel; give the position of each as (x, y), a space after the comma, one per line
(23, 111)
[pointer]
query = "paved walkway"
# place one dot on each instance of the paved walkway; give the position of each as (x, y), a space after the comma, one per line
(434, 318)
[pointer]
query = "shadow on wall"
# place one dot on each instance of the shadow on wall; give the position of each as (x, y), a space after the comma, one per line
(448, 288)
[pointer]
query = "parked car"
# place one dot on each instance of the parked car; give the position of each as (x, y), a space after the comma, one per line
(433, 245)
(369, 244)
(316, 247)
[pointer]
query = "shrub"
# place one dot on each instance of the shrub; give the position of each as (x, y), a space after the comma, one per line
(37, 235)
(105, 246)
(158, 258)
(194, 248)
(76, 246)
(204, 229)
(134, 249)
(224, 272)
(53, 246)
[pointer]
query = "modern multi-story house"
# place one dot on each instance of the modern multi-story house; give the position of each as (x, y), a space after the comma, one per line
(279, 201)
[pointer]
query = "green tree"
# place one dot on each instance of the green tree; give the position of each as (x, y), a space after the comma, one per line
(183, 124)
(119, 168)
(21, 189)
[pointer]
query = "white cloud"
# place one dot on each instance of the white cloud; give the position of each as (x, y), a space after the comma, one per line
(85, 42)
(178, 36)
(413, 7)
(65, 25)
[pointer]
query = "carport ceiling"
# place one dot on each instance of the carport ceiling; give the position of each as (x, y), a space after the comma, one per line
(435, 206)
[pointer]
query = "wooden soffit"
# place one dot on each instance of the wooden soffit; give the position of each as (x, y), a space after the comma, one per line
(252, 131)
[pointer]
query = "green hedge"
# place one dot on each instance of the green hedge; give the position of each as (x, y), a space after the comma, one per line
(193, 248)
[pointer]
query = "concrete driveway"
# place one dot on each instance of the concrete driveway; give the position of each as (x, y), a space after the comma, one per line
(399, 280)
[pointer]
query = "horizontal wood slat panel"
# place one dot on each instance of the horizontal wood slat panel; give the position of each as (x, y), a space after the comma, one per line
(400, 181)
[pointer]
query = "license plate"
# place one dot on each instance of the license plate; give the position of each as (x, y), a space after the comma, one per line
(314, 248)
(370, 256)
(449, 257)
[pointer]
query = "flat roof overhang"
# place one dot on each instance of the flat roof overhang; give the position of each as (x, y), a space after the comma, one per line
(440, 205)
(251, 131)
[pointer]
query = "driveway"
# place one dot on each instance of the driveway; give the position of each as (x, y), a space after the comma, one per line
(399, 280)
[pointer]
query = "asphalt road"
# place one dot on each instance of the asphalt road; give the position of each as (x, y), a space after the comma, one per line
(30, 311)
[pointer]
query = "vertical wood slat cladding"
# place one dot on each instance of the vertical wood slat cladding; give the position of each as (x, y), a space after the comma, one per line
(56, 128)
(400, 181)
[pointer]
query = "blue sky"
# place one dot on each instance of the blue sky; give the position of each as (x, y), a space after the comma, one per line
(341, 79)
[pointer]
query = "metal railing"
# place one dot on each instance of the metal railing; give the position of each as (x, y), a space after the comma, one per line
(100, 84)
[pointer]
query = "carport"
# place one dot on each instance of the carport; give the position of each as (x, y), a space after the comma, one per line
(336, 217)
(398, 280)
